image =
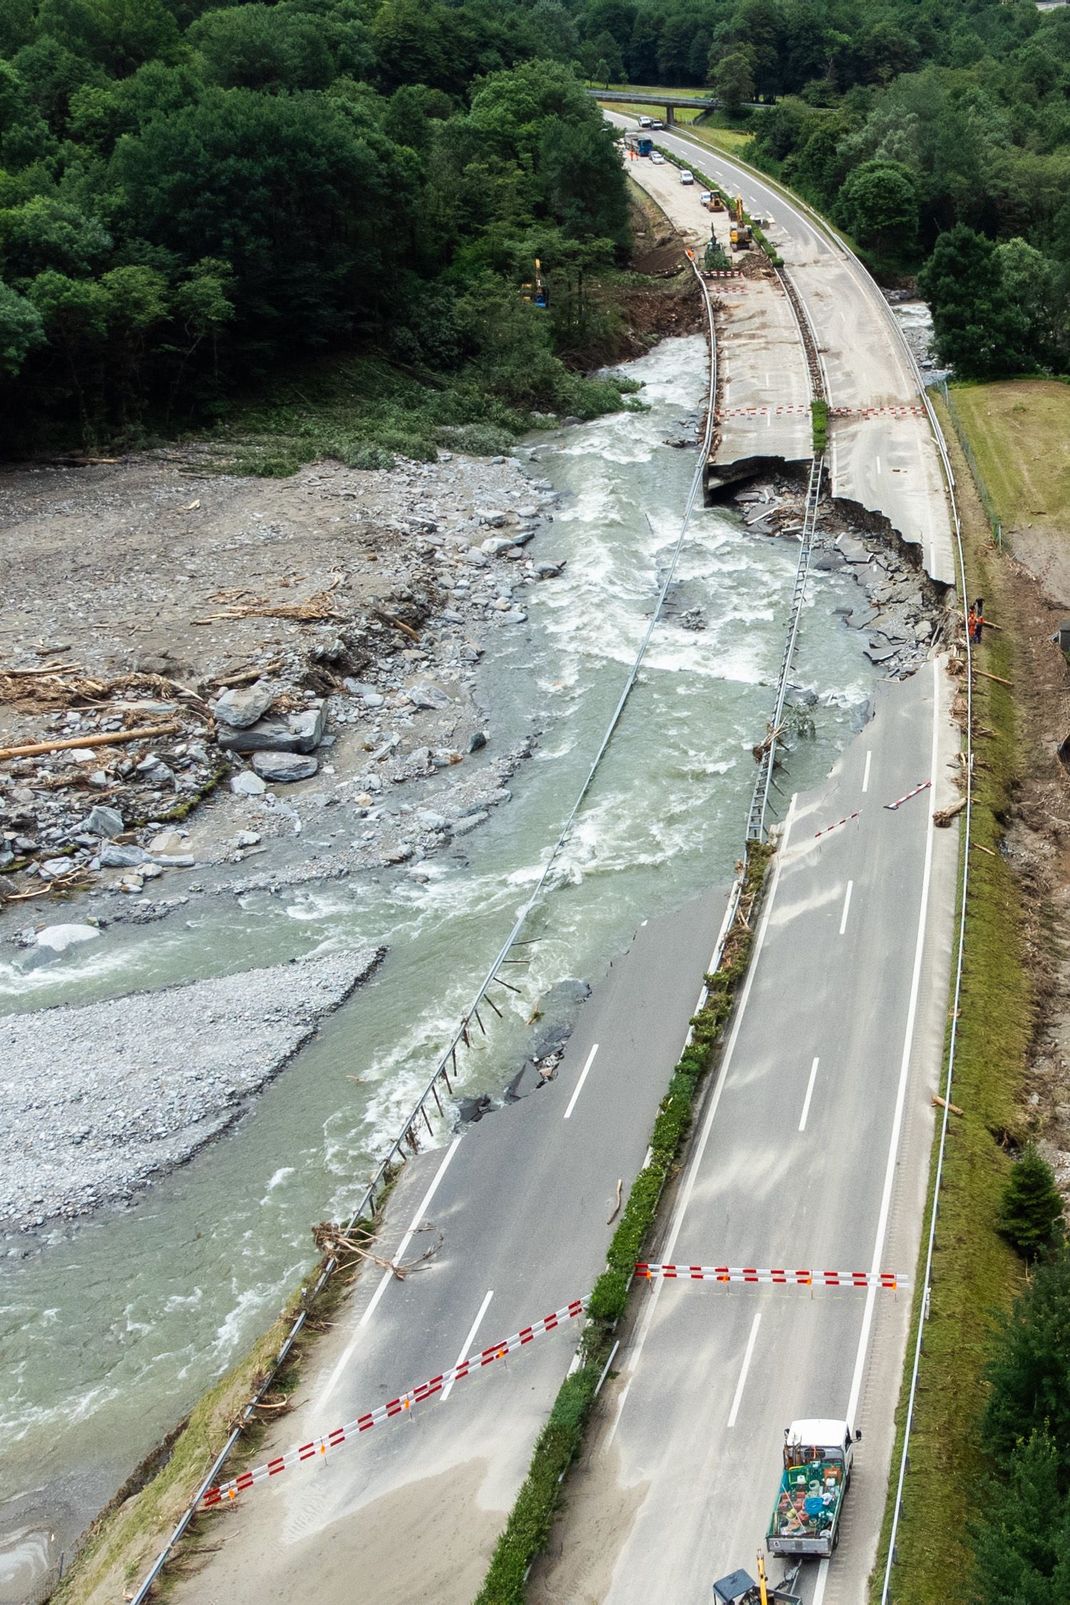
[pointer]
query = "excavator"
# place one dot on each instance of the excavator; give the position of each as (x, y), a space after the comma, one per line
(740, 1588)
(740, 237)
(534, 291)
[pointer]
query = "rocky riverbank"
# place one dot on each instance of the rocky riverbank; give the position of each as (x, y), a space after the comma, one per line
(205, 663)
(101, 1099)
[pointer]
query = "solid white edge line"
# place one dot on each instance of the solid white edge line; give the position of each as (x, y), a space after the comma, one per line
(578, 1088)
(865, 772)
(809, 1094)
(737, 1397)
(904, 1069)
(466, 1346)
(424, 1205)
(846, 906)
(643, 1329)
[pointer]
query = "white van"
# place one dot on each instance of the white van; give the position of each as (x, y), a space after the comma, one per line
(686, 177)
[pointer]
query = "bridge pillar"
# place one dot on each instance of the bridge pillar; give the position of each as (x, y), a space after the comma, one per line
(670, 116)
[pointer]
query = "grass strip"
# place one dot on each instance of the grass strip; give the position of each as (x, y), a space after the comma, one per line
(819, 423)
(559, 1442)
(975, 1273)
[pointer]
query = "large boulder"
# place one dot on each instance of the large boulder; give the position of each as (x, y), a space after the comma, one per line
(244, 705)
(284, 766)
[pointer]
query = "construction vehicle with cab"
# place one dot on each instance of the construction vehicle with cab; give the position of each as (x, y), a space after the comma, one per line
(740, 237)
(814, 1479)
(740, 1588)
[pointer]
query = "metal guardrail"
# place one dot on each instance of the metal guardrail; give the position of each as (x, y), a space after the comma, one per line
(767, 759)
(408, 1137)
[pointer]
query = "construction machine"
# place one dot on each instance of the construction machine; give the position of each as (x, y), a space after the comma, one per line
(740, 237)
(534, 291)
(740, 1588)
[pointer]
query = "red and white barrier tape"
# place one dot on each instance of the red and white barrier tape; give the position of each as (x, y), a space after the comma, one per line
(899, 801)
(846, 820)
(775, 1278)
(317, 1447)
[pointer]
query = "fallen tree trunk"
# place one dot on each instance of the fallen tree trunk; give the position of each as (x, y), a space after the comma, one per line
(107, 738)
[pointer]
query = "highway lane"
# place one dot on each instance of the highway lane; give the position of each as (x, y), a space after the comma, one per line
(882, 454)
(792, 1167)
(522, 1203)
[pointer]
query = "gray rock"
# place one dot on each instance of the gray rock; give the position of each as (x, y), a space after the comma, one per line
(269, 735)
(308, 726)
(58, 938)
(428, 695)
(170, 861)
(247, 784)
(469, 822)
(477, 741)
(432, 821)
(103, 821)
(284, 766)
(244, 705)
(514, 616)
(548, 571)
(52, 868)
(113, 856)
(491, 516)
(168, 841)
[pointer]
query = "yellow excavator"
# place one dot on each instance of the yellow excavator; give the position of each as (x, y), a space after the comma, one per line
(740, 238)
(739, 1588)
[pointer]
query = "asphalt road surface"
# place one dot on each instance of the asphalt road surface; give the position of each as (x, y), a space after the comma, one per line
(813, 1152)
(851, 973)
(521, 1203)
(882, 451)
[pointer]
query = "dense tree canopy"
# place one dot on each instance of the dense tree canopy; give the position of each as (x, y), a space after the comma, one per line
(367, 170)
(194, 192)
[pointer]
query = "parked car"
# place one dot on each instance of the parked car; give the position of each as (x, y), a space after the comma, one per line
(658, 160)
(686, 177)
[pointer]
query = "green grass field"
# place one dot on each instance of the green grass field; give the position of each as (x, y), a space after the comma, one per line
(1018, 430)
(975, 1273)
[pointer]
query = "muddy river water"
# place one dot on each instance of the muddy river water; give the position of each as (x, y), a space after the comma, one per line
(109, 1330)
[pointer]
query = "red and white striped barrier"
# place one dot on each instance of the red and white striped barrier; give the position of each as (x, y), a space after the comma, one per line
(899, 801)
(318, 1447)
(774, 1278)
(846, 820)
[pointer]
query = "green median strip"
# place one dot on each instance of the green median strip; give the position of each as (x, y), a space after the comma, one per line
(559, 1442)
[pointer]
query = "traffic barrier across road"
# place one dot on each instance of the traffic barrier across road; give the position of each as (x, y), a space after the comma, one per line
(774, 1278)
(899, 801)
(846, 820)
(319, 1446)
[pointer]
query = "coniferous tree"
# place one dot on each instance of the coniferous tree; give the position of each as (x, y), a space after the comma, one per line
(1031, 1210)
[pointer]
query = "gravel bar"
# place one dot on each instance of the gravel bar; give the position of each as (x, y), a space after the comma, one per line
(103, 1098)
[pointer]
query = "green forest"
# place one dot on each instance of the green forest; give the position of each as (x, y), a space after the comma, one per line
(197, 197)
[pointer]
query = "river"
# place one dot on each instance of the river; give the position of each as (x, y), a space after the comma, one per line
(112, 1328)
